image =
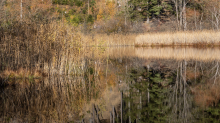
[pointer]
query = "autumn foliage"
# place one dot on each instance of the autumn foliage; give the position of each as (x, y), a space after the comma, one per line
(206, 95)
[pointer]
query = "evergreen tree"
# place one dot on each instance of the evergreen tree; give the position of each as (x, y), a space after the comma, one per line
(145, 9)
(146, 100)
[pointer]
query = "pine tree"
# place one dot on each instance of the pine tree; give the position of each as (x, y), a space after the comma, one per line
(146, 101)
(145, 9)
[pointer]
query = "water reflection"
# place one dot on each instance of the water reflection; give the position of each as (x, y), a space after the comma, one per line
(205, 54)
(121, 84)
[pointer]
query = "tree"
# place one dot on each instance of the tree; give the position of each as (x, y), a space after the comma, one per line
(145, 9)
(180, 7)
(213, 8)
(2, 4)
(151, 94)
(1, 8)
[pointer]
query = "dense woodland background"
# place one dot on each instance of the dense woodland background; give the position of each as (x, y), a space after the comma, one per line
(107, 16)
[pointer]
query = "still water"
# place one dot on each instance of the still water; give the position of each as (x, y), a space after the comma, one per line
(121, 85)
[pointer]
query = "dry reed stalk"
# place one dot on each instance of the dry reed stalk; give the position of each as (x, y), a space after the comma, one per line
(33, 45)
(188, 38)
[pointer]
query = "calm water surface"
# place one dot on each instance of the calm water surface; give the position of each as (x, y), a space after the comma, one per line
(124, 85)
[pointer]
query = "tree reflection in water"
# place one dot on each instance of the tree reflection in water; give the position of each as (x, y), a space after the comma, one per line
(173, 95)
(156, 88)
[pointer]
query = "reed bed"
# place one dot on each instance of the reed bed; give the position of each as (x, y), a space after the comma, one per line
(71, 81)
(31, 46)
(29, 52)
(188, 38)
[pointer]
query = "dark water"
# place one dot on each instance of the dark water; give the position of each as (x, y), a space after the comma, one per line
(124, 84)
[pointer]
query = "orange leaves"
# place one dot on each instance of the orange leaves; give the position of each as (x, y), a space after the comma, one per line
(36, 5)
(106, 9)
(206, 95)
(111, 8)
(100, 15)
(26, 7)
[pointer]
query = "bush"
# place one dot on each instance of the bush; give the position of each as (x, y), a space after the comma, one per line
(90, 19)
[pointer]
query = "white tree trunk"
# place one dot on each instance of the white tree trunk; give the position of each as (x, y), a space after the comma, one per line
(21, 11)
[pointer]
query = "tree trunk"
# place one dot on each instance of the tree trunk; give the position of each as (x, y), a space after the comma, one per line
(88, 7)
(181, 14)
(184, 16)
(177, 13)
(21, 11)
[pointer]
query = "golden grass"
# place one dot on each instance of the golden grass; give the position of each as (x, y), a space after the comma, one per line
(34, 45)
(188, 38)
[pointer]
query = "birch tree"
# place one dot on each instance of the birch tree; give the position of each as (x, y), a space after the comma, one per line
(180, 7)
(213, 7)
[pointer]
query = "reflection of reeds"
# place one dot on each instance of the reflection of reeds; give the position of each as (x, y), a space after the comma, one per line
(60, 97)
(109, 52)
(21, 77)
(108, 40)
(179, 38)
(179, 53)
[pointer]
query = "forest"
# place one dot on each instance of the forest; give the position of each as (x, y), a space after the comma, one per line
(116, 16)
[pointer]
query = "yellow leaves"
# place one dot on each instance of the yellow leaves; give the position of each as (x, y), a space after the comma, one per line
(111, 8)
(100, 15)
(106, 9)
(72, 16)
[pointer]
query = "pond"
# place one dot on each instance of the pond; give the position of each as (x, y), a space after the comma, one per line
(118, 85)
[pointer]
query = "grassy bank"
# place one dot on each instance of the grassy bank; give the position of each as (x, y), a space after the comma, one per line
(189, 38)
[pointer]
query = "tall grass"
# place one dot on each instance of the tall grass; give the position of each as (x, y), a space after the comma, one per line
(29, 52)
(30, 45)
(45, 77)
(188, 38)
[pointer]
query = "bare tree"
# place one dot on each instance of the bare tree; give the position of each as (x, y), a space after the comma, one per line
(1, 8)
(213, 11)
(2, 3)
(180, 7)
(180, 99)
